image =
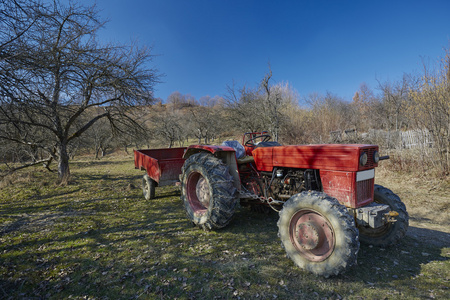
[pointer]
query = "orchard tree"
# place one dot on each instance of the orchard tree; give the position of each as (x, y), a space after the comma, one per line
(16, 18)
(365, 109)
(261, 108)
(54, 73)
(205, 123)
(430, 108)
(168, 127)
(395, 98)
(330, 114)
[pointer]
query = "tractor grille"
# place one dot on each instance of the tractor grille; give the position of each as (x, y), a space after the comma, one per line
(364, 191)
(370, 163)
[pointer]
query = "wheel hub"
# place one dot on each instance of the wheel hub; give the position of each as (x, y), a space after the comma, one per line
(309, 236)
(202, 190)
(312, 235)
(197, 193)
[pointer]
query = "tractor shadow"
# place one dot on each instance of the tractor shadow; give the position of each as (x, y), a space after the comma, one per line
(400, 262)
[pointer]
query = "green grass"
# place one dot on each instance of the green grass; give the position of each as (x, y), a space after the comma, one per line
(98, 238)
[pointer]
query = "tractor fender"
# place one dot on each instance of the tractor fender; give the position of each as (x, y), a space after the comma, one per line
(224, 153)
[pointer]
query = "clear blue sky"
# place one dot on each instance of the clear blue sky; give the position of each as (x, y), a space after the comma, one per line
(316, 46)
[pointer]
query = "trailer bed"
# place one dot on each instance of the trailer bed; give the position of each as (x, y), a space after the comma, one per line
(162, 165)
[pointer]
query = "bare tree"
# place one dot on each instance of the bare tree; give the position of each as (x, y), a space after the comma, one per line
(244, 109)
(271, 99)
(56, 71)
(16, 18)
(395, 100)
(168, 127)
(329, 113)
(261, 108)
(205, 123)
(431, 109)
(364, 106)
(100, 137)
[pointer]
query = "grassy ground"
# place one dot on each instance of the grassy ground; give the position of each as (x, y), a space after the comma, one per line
(97, 238)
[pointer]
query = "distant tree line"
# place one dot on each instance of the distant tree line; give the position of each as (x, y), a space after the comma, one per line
(416, 102)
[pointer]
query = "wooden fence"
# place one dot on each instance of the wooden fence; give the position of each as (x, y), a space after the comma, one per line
(410, 139)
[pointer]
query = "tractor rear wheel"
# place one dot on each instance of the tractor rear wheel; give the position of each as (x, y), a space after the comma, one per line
(318, 234)
(207, 191)
(390, 233)
(148, 187)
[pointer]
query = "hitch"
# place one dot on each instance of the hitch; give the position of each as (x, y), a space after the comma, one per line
(391, 216)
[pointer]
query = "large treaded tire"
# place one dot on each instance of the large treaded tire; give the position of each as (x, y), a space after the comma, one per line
(207, 191)
(392, 233)
(318, 234)
(148, 187)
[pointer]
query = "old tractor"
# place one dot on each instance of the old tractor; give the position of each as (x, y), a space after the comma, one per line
(325, 194)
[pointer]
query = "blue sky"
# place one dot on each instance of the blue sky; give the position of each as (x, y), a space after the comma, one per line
(317, 46)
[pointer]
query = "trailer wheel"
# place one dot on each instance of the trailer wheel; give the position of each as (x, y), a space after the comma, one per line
(318, 234)
(207, 191)
(390, 233)
(148, 187)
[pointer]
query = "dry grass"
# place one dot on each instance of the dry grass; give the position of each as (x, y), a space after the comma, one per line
(97, 238)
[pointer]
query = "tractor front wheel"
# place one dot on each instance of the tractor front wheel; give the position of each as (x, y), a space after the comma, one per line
(207, 191)
(318, 234)
(390, 233)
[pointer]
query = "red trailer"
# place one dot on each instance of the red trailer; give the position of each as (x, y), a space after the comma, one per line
(163, 167)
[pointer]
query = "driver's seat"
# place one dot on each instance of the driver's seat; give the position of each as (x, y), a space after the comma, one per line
(239, 150)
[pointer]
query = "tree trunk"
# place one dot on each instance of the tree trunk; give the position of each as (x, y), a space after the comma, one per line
(63, 164)
(97, 150)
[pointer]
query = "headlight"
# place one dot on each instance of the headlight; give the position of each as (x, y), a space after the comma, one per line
(363, 159)
(376, 157)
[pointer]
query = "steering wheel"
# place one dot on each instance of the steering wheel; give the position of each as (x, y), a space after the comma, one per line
(250, 142)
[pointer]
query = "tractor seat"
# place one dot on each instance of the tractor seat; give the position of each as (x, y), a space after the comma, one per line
(245, 160)
(239, 150)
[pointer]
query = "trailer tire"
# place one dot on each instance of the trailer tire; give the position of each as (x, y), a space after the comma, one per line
(148, 187)
(207, 191)
(318, 234)
(391, 233)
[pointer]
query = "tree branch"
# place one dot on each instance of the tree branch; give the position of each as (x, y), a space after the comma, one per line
(46, 163)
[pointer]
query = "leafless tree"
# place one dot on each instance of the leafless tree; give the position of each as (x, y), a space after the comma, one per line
(205, 123)
(16, 18)
(395, 98)
(329, 113)
(260, 108)
(430, 108)
(244, 109)
(168, 127)
(54, 71)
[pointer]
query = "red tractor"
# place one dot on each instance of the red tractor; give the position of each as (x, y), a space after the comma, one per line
(325, 194)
